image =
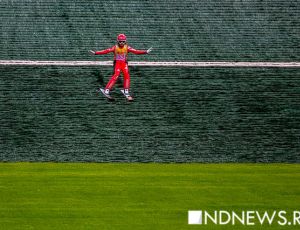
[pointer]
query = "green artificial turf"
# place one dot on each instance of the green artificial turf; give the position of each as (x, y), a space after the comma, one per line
(139, 196)
(179, 115)
(188, 30)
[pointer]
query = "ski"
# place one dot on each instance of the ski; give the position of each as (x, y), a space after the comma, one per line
(110, 98)
(128, 97)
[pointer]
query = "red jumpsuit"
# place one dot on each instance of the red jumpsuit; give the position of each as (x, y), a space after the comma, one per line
(121, 64)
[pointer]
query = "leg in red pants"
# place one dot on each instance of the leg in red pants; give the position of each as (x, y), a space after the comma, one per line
(126, 77)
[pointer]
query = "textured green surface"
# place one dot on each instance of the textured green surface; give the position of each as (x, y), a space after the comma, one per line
(180, 114)
(178, 30)
(140, 196)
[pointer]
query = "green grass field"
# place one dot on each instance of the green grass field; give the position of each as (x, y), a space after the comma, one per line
(139, 196)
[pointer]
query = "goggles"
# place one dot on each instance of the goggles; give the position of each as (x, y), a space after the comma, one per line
(121, 42)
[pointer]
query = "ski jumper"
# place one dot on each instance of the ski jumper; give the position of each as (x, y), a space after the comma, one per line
(121, 64)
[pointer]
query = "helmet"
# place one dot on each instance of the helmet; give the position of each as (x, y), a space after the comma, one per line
(121, 37)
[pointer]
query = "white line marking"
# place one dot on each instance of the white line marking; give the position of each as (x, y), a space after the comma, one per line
(166, 64)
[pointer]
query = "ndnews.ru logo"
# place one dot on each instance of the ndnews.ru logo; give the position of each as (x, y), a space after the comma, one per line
(223, 217)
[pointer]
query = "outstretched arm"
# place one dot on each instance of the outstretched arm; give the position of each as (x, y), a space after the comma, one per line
(109, 50)
(134, 51)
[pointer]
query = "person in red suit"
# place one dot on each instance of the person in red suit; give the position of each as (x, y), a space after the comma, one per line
(120, 50)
